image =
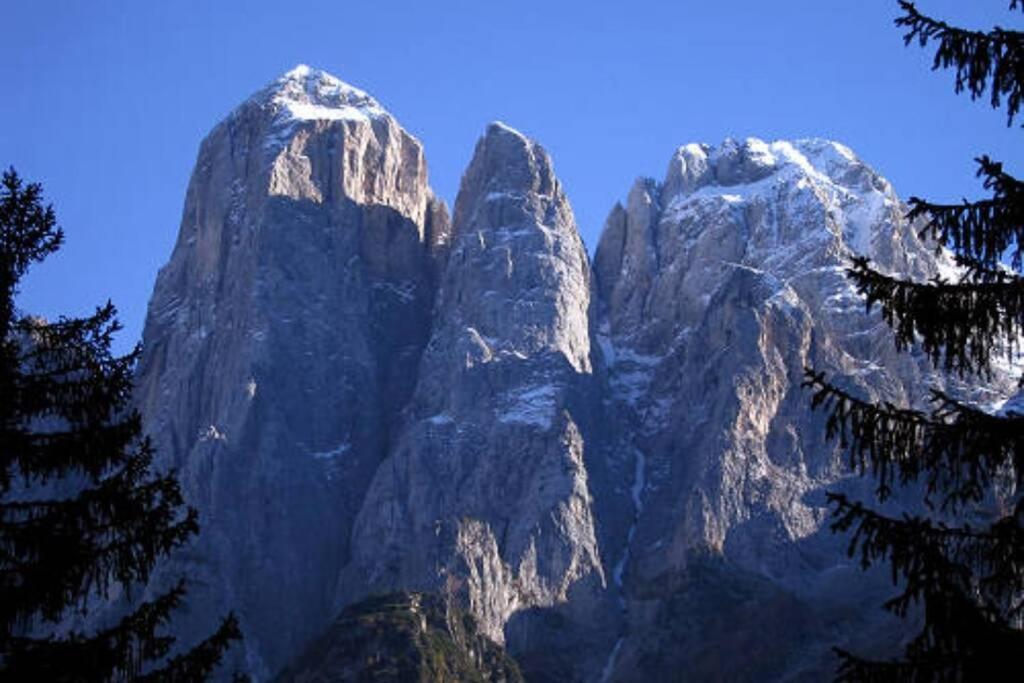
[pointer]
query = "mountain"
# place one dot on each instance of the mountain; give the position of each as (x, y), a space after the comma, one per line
(611, 465)
(719, 286)
(282, 339)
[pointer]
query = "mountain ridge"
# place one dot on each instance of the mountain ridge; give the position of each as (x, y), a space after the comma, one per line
(364, 394)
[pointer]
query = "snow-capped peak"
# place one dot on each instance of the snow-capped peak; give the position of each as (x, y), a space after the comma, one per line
(825, 172)
(308, 94)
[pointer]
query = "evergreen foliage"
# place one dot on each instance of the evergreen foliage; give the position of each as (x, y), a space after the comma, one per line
(80, 509)
(967, 580)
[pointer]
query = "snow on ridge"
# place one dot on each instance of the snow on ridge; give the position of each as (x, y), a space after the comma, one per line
(308, 94)
(857, 197)
(814, 156)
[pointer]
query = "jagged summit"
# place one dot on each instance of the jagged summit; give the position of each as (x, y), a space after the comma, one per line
(507, 165)
(734, 163)
(817, 174)
(296, 304)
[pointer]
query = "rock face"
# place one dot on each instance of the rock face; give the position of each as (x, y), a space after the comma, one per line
(719, 286)
(485, 490)
(281, 340)
(612, 467)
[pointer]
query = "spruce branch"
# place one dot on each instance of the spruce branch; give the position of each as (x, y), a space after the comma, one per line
(968, 583)
(981, 232)
(957, 325)
(957, 450)
(983, 61)
(117, 653)
(198, 663)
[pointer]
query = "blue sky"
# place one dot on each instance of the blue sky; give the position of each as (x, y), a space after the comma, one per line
(105, 103)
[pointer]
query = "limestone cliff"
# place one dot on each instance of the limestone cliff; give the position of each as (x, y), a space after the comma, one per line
(281, 341)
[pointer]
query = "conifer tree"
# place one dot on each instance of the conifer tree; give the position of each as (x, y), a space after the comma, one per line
(80, 509)
(967, 579)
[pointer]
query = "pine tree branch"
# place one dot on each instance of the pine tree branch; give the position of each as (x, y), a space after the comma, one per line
(28, 234)
(956, 325)
(977, 272)
(85, 339)
(956, 449)
(968, 583)
(116, 653)
(991, 61)
(93, 451)
(854, 669)
(64, 413)
(931, 666)
(932, 557)
(68, 371)
(984, 231)
(55, 554)
(65, 377)
(199, 662)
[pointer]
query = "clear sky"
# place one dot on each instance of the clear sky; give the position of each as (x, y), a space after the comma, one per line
(105, 103)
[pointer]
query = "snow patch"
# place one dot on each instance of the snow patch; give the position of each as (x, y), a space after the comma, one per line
(504, 127)
(533, 406)
(1011, 407)
(403, 291)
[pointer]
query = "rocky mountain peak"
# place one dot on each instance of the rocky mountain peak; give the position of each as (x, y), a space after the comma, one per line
(507, 166)
(514, 223)
(283, 338)
(485, 487)
(734, 163)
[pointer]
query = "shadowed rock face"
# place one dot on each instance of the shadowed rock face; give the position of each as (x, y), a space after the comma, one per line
(612, 466)
(282, 339)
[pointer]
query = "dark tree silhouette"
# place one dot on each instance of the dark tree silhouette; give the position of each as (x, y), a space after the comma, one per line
(80, 509)
(968, 580)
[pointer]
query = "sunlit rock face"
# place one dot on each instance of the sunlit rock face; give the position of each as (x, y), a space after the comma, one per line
(486, 487)
(717, 287)
(611, 465)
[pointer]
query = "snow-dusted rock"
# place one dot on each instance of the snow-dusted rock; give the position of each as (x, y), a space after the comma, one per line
(718, 287)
